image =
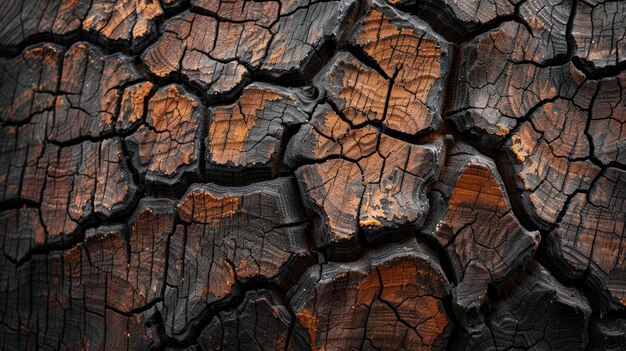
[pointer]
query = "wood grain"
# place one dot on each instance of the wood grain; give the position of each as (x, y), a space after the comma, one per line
(325, 175)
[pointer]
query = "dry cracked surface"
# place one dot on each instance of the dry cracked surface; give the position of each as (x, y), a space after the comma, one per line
(304, 174)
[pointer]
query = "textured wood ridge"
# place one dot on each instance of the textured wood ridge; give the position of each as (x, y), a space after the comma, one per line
(313, 175)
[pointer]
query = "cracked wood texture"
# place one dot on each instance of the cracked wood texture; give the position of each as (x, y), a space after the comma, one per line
(313, 175)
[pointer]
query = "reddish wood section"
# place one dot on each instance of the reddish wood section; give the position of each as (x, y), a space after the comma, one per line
(475, 225)
(245, 140)
(389, 298)
(361, 181)
(166, 147)
(313, 175)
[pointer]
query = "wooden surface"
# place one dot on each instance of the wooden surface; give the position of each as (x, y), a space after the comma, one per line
(323, 175)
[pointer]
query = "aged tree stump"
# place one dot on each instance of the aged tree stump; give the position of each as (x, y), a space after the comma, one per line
(313, 175)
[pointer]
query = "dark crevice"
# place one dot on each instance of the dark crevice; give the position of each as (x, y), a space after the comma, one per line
(107, 47)
(368, 61)
(441, 18)
(597, 73)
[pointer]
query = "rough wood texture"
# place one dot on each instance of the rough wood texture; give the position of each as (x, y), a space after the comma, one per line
(536, 313)
(589, 238)
(261, 322)
(76, 183)
(96, 179)
(603, 43)
(167, 147)
(459, 19)
(245, 138)
(400, 82)
(389, 298)
(216, 49)
(22, 231)
(99, 294)
(561, 129)
(230, 236)
(120, 23)
(361, 180)
(474, 223)
(326, 175)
